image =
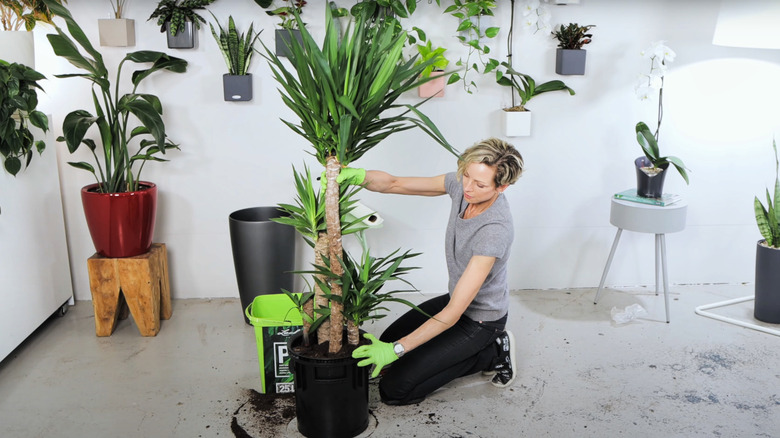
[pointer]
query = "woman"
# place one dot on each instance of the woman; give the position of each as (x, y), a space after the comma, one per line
(466, 333)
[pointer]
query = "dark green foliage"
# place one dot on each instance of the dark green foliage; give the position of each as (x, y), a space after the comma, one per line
(176, 12)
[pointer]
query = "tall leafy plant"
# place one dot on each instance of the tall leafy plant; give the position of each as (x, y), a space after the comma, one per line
(344, 95)
(768, 218)
(15, 14)
(121, 119)
(237, 48)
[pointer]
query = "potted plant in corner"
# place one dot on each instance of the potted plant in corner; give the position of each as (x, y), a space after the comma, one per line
(18, 110)
(117, 31)
(120, 208)
(289, 25)
(767, 288)
(650, 168)
(346, 106)
(17, 45)
(178, 19)
(570, 56)
(237, 49)
(517, 118)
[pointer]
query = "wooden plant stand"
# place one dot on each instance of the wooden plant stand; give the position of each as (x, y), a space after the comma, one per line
(138, 283)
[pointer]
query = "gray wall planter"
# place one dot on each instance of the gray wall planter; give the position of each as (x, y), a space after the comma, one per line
(263, 253)
(237, 88)
(185, 39)
(767, 305)
(282, 37)
(570, 62)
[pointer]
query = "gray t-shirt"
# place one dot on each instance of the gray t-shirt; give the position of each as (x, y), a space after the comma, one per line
(488, 234)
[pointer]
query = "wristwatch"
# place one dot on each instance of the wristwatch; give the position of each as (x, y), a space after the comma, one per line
(398, 349)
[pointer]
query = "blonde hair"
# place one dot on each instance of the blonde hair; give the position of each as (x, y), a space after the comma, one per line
(495, 153)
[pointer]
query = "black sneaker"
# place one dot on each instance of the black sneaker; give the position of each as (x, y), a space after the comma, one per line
(506, 368)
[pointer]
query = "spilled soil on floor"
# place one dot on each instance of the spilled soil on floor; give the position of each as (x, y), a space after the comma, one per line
(263, 415)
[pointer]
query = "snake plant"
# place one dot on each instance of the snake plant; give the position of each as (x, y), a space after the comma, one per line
(768, 218)
(237, 49)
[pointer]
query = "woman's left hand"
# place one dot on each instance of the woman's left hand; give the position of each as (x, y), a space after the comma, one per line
(377, 353)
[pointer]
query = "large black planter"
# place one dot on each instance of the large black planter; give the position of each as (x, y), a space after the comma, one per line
(767, 304)
(649, 186)
(331, 395)
(263, 253)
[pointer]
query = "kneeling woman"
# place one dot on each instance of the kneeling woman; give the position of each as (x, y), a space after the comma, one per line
(466, 333)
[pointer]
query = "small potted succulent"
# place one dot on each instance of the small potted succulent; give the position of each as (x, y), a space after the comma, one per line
(178, 19)
(650, 168)
(286, 10)
(570, 56)
(237, 49)
(767, 287)
(117, 31)
(517, 118)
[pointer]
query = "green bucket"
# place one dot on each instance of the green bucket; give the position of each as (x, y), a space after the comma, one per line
(276, 320)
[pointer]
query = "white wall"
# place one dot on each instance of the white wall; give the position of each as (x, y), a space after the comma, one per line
(720, 116)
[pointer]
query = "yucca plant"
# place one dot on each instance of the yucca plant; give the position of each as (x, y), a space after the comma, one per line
(768, 218)
(237, 49)
(345, 97)
(113, 111)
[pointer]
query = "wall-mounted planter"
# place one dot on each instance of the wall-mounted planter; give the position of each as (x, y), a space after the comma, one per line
(282, 38)
(17, 46)
(237, 88)
(185, 39)
(434, 87)
(517, 123)
(570, 61)
(116, 32)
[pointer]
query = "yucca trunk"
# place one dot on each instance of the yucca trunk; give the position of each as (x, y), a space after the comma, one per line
(320, 300)
(333, 222)
(353, 333)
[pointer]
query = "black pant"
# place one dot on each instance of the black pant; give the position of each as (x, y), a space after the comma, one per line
(466, 348)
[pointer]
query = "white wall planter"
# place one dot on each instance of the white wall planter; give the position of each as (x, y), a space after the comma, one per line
(517, 123)
(34, 262)
(17, 46)
(434, 87)
(237, 88)
(116, 32)
(570, 61)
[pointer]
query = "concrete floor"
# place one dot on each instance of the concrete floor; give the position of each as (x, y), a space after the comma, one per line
(581, 375)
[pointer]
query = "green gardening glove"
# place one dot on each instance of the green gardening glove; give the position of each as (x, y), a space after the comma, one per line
(350, 175)
(377, 353)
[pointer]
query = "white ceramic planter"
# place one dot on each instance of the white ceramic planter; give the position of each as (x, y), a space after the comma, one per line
(517, 123)
(17, 46)
(116, 32)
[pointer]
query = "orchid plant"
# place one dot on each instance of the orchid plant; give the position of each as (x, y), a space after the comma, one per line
(536, 16)
(647, 86)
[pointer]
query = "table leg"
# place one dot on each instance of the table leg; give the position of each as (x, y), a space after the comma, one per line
(657, 262)
(609, 262)
(666, 279)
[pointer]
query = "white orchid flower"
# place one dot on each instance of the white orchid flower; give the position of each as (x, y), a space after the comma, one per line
(530, 7)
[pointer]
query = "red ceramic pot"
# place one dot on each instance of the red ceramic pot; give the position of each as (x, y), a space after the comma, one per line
(121, 224)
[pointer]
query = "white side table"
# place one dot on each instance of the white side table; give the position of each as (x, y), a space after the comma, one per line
(644, 218)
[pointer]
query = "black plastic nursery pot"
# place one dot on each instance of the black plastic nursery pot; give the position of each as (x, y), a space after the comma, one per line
(649, 186)
(331, 395)
(767, 304)
(263, 253)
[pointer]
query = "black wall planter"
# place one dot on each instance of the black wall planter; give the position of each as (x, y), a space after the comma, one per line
(767, 305)
(331, 395)
(570, 61)
(263, 253)
(185, 39)
(282, 39)
(649, 186)
(237, 88)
